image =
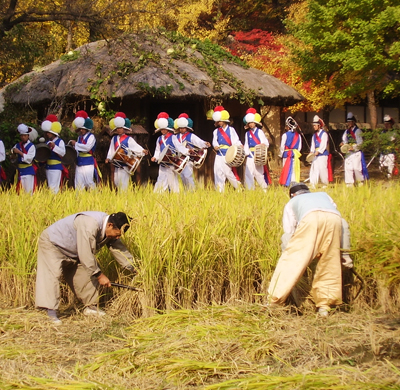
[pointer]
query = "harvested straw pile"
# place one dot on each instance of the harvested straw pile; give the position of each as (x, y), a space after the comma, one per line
(219, 347)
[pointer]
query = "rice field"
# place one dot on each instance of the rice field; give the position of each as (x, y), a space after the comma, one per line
(204, 260)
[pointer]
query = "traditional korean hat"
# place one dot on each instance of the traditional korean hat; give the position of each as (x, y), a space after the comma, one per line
(120, 120)
(252, 116)
(388, 119)
(220, 114)
(183, 120)
(24, 129)
(350, 117)
(298, 188)
(317, 120)
(163, 121)
(291, 124)
(51, 125)
(82, 121)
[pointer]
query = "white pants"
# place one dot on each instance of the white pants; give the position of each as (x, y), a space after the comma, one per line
(84, 177)
(319, 170)
(252, 172)
(121, 178)
(387, 160)
(167, 178)
(353, 168)
(27, 183)
(187, 176)
(53, 179)
(222, 171)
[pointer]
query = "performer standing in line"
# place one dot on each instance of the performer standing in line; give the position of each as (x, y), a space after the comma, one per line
(119, 124)
(86, 166)
(387, 157)
(355, 166)
(224, 136)
(319, 146)
(167, 177)
(290, 152)
(255, 136)
(55, 170)
(26, 153)
(186, 136)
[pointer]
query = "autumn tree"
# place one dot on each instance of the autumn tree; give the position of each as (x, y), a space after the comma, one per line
(353, 44)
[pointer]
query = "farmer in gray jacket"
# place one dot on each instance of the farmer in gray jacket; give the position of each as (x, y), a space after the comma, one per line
(68, 248)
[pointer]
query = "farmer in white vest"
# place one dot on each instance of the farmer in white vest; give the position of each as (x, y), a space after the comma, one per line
(68, 248)
(312, 229)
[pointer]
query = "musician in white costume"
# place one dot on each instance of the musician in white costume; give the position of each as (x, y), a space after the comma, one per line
(354, 167)
(319, 146)
(186, 137)
(118, 125)
(86, 167)
(254, 136)
(54, 168)
(167, 177)
(224, 136)
(26, 151)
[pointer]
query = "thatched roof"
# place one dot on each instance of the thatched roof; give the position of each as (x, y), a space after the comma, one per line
(150, 63)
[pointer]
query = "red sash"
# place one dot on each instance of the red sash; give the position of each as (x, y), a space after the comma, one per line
(166, 137)
(225, 136)
(2, 174)
(317, 137)
(183, 136)
(122, 138)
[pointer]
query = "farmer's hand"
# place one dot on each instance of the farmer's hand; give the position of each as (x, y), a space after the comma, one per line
(103, 280)
(347, 261)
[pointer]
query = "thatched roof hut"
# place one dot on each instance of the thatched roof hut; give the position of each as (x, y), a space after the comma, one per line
(153, 63)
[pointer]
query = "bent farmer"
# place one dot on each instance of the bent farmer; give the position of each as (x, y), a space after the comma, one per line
(68, 248)
(312, 230)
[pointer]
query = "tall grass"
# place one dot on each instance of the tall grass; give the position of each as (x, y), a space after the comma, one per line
(202, 247)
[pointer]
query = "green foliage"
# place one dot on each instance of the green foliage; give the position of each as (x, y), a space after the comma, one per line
(163, 92)
(70, 56)
(353, 43)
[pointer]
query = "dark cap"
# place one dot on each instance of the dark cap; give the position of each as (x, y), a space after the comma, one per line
(120, 220)
(297, 187)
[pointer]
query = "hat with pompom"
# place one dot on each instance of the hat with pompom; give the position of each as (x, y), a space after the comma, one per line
(318, 121)
(24, 129)
(51, 125)
(220, 115)
(163, 121)
(120, 120)
(82, 121)
(252, 116)
(183, 120)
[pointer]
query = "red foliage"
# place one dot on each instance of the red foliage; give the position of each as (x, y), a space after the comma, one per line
(247, 42)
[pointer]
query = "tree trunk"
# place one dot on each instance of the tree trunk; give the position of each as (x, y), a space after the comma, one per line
(69, 37)
(372, 109)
